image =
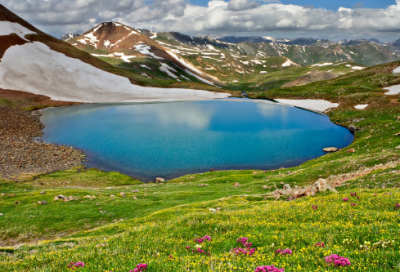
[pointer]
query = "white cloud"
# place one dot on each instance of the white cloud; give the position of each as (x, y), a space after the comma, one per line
(60, 16)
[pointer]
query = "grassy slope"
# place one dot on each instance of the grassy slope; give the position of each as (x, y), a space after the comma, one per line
(165, 218)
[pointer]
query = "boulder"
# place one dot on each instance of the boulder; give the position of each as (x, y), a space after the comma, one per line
(112, 196)
(122, 194)
(42, 202)
(42, 193)
(351, 150)
(322, 185)
(397, 134)
(160, 180)
(134, 197)
(330, 149)
(1, 214)
(287, 187)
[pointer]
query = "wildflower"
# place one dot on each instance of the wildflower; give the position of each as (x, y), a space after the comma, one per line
(353, 204)
(345, 199)
(284, 252)
(72, 265)
(201, 240)
(337, 260)
(319, 245)
(139, 268)
(353, 194)
(240, 251)
(269, 268)
(314, 207)
(397, 206)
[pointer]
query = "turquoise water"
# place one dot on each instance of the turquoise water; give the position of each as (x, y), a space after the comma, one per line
(177, 138)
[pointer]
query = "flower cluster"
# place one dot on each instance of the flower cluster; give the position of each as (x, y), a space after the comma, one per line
(269, 268)
(319, 245)
(397, 206)
(284, 252)
(353, 194)
(353, 204)
(337, 260)
(345, 199)
(140, 268)
(201, 240)
(72, 265)
(247, 250)
(198, 250)
(315, 207)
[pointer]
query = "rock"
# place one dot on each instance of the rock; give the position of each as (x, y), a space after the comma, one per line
(160, 180)
(56, 198)
(322, 185)
(1, 214)
(203, 185)
(255, 173)
(112, 196)
(134, 197)
(237, 184)
(88, 196)
(33, 251)
(3, 194)
(353, 128)
(398, 147)
(122, 194)
(67, 199)
(287, 187)
(397, 134)
(42, 193)
(330, 149)
(16, 202)
(351, 150)
(42, 202)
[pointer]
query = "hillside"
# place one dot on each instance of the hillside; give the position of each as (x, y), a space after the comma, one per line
(177, 57)
(35, 62)
(113, 222)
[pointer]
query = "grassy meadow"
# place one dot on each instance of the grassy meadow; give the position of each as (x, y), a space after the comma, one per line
(115, 222)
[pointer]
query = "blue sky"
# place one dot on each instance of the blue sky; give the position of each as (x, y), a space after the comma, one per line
(328, 4)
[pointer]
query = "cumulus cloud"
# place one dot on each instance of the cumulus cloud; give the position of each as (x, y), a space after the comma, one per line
(233, 16)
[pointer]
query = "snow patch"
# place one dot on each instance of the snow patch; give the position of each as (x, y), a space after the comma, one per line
(145, 50)
(361, 107)
(107, 43)
(357, 68)
(199, 78)
(144, 66)
(263, 72)
(322, 65)
(124, 57)
(7, 28)
(396, 71)
(289, 63)
(35, 68)
(310, 104)
(394, 90)
(168, 70)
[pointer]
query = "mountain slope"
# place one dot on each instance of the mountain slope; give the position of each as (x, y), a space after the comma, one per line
(139, 53)
(38, 63)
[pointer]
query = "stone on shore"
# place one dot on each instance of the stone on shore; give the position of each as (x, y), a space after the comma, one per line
(330, 149)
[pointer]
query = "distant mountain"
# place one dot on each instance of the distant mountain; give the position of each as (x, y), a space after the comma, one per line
(233, 39)
(69, 36)
(34, 62)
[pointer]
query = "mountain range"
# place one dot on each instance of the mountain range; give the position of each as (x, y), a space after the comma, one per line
(35, 62)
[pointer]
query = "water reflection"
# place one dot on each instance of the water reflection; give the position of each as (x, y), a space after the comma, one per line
(178, 138)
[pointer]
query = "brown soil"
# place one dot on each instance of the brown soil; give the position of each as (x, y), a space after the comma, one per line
(20, 155)
(311, 77)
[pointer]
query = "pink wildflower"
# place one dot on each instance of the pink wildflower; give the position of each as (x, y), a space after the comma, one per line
(140, 268)
(269, 268)
(242, 251)
(201, 240)
(353, 194)
(314, 207)
(319, 245)
(353, 204)
(345, 199)
(284, 252)
(397, 206)
(72, 265)
(337, 260)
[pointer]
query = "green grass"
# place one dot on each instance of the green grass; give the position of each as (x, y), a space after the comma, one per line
(163, 219)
